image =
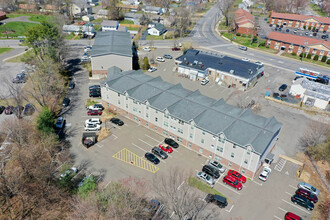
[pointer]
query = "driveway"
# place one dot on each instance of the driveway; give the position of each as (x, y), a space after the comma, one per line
(21, 18)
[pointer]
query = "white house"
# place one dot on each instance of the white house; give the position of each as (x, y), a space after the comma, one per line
(156, 29)
(110, 25)
(312, 93)
(153, 10)
(80, 8)
(77, 29)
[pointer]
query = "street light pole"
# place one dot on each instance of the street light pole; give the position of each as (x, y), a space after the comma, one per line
(306, 43)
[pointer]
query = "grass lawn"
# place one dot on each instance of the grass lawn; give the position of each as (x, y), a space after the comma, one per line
(305, 60)
(317, 9)
(192, 181)
(97, 27)
(5, 50)
(126, 22)
(132, 28)
(152, 37)
(18, 28)
(99, 20)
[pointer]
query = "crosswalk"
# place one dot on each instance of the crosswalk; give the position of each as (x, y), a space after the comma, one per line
(280, 164)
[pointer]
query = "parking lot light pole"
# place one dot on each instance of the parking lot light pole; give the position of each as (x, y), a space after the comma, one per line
(306, 43)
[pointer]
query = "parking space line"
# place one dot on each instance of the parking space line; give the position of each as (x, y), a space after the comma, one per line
(282, 209)
(100, 146)
(260, 184)
(153, 139)
(114, 136)
(293, 186)
(277, 217)
(180, 185)
(297, 207)
(229, 188)
(139, 147)
(290, 194)
(230, 209)
(146, 143)
(107, 184)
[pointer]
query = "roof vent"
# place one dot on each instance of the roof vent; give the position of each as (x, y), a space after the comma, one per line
(195, 62)
(232, 71)
(221, 56)
(185, 58)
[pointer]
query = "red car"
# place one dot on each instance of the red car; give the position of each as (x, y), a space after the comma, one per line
(237, 176)
(167, 149)
(94, 112)
(291, 216)
(175, 49)
(9, 110)
(233, 182)
(307, 194)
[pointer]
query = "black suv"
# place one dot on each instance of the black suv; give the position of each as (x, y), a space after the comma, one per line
(298, 199)
(211, 171)
(171, 142)
(152, 158)
(217, 200)
(117, 121)
(95, 94)
(159, 152)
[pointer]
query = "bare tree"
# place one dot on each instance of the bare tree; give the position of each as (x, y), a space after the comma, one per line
(181, 200)
(182, 20)
(225, 8)
(315, 134)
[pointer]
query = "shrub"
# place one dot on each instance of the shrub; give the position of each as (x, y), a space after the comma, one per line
(309, 56)
(314, 28)
(309, 28)
(262, 43)
(238, 34)
(324, 58)
(328, 61)
(45, 121)
(304, 26)
(90, 73)
(316, 57)
(267, 46)
(293, 54)
(146, 64)
(249, 36)
(243, 35)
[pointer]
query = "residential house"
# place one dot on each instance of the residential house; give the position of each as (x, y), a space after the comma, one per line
(244, 22)
(27, 7)
(88, 18)
(80, 8)
(111, 48)
(298, 44)
(131, 2)
(248, 3)
(2, 15)
(238, 138)
(79, 29)
(195, 64)
(300, 21)
(312, 93)
(192, 3)
(102, 13)
(109, 25)
(156, 29)
(153, 10)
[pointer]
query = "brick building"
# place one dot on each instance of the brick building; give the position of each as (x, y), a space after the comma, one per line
(237, 138)
(299, 21)
(244, 22)
(297, 44)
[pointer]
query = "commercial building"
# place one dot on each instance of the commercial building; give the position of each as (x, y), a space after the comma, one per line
(297, 44)
(197, 65)
(237, 138)
(244, 22)
(300, 21)
(312, 93)
(111, 48)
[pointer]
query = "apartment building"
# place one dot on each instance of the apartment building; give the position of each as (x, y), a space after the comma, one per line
(236, 137)
(244, 22)
(300, 21)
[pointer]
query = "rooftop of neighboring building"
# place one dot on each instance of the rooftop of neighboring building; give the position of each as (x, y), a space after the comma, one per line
(242, 17)
(298, 17)
(314, 89)
(110, 23)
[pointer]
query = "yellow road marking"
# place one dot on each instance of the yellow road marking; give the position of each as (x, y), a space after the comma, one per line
(133, 159)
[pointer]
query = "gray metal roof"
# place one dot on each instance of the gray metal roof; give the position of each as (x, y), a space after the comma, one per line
(240, 126)
(81, 3)
(110, 23)
(200, 60)
(112, 42)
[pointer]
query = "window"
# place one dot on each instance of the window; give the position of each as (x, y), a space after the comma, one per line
(156, 119)
(173, 127)
(201, 150)
(246, 161)
(214, 137)
(180, 130)
(212, 146)
(203, 133)
(118, 110)
(126, 105)
(189, 145)
(192, 127)
(217, 158)
(202, 141)
(156, 112)
(126, 113)
(230, 164)
(134, 101)
(165, 133)
(232, 155)
(248, 152)
(147, 115)
(165, 124)
(134, 109)
(191, 135)
(118, 102)
(243, 170)
(211, 155)
(179, 139)
(166, 116)
(234, 146)
(126, 98)
(181, 122)
(220, 149)
(135, 118)
(222, 140)
(147, 124)
(156, 128)
(147, 107)
(118, 94)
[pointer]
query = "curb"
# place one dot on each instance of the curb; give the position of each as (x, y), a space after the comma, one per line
(8, 58)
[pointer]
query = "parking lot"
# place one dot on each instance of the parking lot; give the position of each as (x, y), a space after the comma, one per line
(300, 32)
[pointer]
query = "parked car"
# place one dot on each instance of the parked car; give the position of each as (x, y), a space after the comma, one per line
(239, 177)
(175, 49)
(217, 165)
(292, 216)
(117, 121)
(314, 34)
(152, 69)
(147, 49)
(9, 110)
(89, 139)
(265, 173)
(306, 33)
(160, 59)
(72, 85)
(152, 207)
(2, 109)
(211, 171)
(298, 199)
(167, 149)
(217, 200)
(280, 29)
(95, 94)
(171, 142)
(259, 63)
(95, 87)
(309, 187)
(283, 87)
(152, 158)
(19, 79)
(66, 102)
(204, 82)
(93, 121)
(159, 152)
(29, 109)
(92, 127)
(242, 48)
(69, 173)
(307, 194)
(245, 59)
(94, 112)
(232, 182)
(295, 31)
(60, 122)
(167, 56)
(206, 178)
(95, 107)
